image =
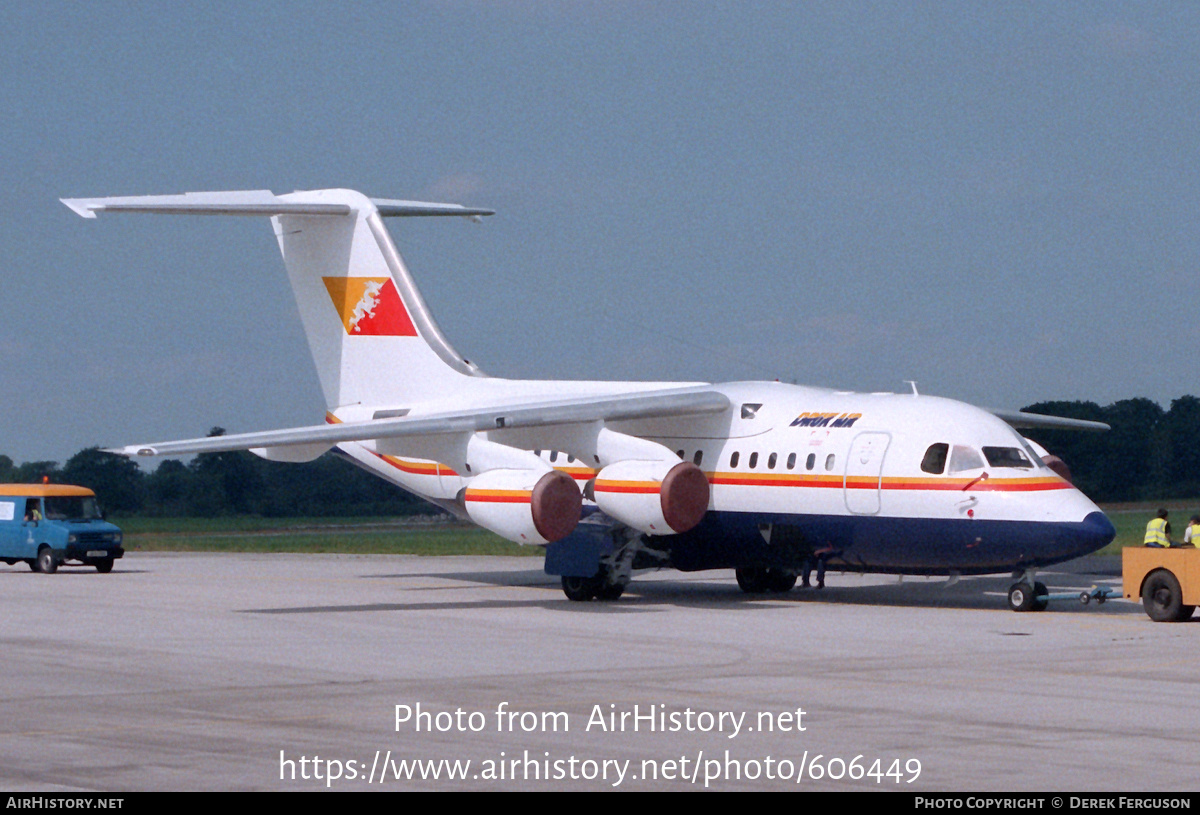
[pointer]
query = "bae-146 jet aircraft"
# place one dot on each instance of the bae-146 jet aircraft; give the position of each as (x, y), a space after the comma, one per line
(612, 477)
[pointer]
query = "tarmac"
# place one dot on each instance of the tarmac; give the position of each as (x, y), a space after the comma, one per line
(349, 672)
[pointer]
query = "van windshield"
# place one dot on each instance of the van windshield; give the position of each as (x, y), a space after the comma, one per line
(72, 508)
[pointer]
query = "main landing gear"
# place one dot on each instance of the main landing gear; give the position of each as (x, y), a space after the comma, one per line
(1027, 594)
(760, 580)
(616, 570)
(599, 587)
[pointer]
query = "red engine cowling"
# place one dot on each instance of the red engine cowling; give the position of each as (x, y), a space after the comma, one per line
(655, 497)
(524, 506)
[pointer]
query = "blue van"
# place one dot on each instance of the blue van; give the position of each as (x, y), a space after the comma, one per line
(47, 524)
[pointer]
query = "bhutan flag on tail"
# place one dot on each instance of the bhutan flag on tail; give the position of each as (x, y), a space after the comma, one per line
(370, 306)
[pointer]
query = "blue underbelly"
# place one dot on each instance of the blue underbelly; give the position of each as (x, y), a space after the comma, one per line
(880, 544)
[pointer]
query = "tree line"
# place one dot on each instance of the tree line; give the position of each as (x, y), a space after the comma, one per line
(216, 484)
(1150, 453)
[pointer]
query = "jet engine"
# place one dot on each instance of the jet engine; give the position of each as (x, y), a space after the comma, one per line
(655, 497)
(524, 506)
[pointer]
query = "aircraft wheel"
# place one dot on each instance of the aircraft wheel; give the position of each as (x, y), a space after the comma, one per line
(610, 591)
(1022, 597)
(46, 564)
(104, 566)
(579, 589)
(752, 580)
(1039, 597)
(780, 581)
(1163, 598)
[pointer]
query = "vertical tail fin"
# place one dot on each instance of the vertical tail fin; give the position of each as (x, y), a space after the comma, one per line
(372, 337)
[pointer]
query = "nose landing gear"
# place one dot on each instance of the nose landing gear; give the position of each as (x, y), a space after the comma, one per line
(1028, 594)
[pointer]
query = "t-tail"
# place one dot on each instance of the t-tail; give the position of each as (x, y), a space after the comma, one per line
(373, 339)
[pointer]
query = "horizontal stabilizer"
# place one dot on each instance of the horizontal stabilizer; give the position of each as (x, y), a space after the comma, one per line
(1021, 420)
(257, 202)
(646, 405)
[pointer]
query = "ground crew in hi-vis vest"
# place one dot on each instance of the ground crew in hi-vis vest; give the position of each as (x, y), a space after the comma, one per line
(1191, 535)
(1158, 531)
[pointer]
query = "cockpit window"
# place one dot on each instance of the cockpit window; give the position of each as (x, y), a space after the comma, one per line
(1033, 456)
(935, 458)
(965, 458)
(1007, 457)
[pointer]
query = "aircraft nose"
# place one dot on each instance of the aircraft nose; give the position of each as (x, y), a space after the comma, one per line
(1095, 532)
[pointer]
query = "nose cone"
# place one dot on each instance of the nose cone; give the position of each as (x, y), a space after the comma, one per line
(1093, 532)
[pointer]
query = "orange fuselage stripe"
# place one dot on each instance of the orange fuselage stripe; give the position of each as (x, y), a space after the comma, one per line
(412, 467)
(1036, 484)
(499, 496)
(889, 483)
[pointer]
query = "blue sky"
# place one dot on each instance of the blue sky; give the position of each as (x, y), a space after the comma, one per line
(996, 200)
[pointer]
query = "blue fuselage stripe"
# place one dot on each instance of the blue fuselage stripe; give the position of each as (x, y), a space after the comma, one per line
(882, 544)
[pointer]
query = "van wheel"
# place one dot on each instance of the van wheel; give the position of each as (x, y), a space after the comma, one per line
(46, 563)
(1163, 598)
(33, 567)
(104, 566)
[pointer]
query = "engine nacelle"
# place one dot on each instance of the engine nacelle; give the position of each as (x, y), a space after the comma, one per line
(524, 506)
(655, 497)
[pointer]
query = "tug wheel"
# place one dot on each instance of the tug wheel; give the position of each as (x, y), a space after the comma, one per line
(1162, 598)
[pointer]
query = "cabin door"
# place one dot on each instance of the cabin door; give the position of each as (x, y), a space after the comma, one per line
(864, 471)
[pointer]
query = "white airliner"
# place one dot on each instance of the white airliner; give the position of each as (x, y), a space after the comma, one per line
(610, 477)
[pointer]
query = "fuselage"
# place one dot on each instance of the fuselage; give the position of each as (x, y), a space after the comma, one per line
(759, 476)
(884, 482)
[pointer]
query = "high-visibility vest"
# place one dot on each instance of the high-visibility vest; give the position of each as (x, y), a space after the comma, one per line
(1156, 532)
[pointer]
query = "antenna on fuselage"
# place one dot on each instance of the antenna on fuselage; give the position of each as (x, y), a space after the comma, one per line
(914, 386)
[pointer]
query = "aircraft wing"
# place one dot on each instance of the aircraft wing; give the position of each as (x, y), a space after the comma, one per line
(618, 407)
(257, 202)
(1021, 420)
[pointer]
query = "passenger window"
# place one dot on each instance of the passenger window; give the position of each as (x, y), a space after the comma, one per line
(679, 453)
(829, 462)
(733, 460)
(553, 456)
(791, 461)
(753, 460)
(964, 458)
(935, 458)
(811, 461)
(696, 459)
(771, 462)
